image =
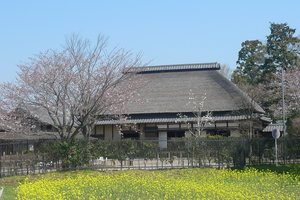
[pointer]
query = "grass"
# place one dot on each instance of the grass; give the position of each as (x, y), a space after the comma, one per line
(258, 182)
(10, 184)
(9, 193)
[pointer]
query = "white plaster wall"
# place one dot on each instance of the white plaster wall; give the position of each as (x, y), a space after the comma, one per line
(163, 139)
(235, 133)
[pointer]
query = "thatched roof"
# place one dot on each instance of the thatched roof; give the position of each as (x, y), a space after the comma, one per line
(39, 113)
(167, 90)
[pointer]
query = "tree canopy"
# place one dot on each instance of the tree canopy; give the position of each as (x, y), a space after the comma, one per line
(250, 63)
(71, 87)
(281, 48)
(259, 62)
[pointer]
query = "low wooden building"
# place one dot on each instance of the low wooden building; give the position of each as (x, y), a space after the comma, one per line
(165, 109)
(267, 131)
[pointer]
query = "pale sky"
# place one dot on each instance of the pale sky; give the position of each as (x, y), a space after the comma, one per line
(166, 32)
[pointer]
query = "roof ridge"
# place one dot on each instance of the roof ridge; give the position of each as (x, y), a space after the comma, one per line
(208, 63)
(176, 67)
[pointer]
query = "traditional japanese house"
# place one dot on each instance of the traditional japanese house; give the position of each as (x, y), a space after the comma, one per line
(167, 106)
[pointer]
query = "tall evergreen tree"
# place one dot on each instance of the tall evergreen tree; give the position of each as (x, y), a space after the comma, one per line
(281, 48)
(259, 63)
(250, 62)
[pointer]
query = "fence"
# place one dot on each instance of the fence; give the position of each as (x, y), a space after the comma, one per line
(32, 157)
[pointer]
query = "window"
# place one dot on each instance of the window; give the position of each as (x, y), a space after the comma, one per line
(130, 134)
(176, 134)
(221, 132)
(153, 135)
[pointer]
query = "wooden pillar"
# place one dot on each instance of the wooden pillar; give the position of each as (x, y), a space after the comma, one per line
(112, 132)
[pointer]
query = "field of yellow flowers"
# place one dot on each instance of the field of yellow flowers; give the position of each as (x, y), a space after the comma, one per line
(165, 184)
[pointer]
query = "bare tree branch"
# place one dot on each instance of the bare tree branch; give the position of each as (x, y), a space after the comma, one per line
(75, 85)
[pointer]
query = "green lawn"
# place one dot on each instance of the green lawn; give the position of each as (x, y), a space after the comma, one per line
(259, 182)
(9, 193)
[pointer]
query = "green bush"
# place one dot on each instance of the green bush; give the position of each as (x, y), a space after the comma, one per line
(72, 154)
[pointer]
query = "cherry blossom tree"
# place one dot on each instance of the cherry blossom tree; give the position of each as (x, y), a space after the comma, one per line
(249, 107)
(202, 117)
(73, 86)
(291, 95)
(8, 122)
(292, 91)
(292, 84)
(12, 121)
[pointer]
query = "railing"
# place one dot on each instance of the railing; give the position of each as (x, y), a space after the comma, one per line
(31, 157)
